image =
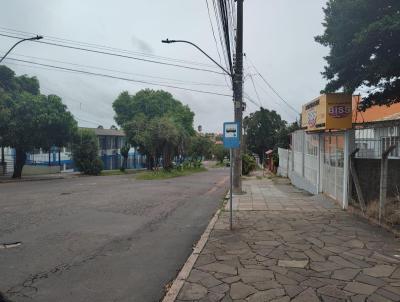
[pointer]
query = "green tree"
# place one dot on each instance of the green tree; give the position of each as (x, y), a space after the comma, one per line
(220, 152)
(85, 152)
(263, 129)
(200, 147)
(363, 37)
(31, 120)
(155, 123)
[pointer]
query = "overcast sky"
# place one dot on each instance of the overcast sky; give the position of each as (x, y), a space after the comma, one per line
(278, 39)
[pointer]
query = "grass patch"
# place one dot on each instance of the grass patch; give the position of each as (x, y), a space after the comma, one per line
(117, 172)
(161, 174)
(219, 165)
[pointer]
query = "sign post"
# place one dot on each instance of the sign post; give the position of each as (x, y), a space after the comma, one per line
(231, 141)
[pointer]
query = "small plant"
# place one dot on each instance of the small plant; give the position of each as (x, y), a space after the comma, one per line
(248, 164)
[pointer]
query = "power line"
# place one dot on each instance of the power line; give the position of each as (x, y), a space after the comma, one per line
(117, 78)
(117, 55)
(213, 33)
(177, 81)
(272, 88)
(255, 89)
(99, 46)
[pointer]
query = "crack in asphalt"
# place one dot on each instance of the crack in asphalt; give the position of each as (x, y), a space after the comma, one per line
(119, 244)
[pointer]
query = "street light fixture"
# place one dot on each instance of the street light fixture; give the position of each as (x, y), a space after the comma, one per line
(167, 41)
(2, 161)
(26, 39)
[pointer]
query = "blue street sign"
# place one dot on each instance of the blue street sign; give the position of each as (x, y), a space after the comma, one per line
(231, 136)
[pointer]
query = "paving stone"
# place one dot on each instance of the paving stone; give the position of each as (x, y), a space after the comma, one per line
(255, 275)
(331, 299)
(387, 294)
(293, 290)
(314, 283)
(240, 290)
(278, 269)
(396, 274)
(266, 285)
(342, 262)
(205, 259)
(293, 263)
(212, 297)
(281, 299)
(331, 291)
(268, 295)
(230, 280)
(203, 278)
(316, 242)
(296, 276)
(307, 295)
(354, 243)
(218, 268)
(324, 266)
(359, 298)
(219, 289)
(347, 274)
(360, 288)
(377, 298)
(192, 291)
(392, 289)
(314, 256)
(281, 279)
(379, 271)
(370, 280)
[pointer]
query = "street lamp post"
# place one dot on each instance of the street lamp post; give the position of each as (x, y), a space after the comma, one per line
(236, 78)
(26, 39)
(3, 163)
(167, 41)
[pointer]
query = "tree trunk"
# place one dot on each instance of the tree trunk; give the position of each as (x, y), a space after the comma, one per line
(20, 159)
(124, 163)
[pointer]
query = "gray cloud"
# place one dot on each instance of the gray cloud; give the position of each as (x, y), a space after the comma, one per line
(278, 38)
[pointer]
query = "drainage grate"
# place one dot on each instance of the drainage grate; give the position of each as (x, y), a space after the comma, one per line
(9, 245)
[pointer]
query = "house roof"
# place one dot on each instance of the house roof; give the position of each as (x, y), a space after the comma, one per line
(107, 132)
(375, 113)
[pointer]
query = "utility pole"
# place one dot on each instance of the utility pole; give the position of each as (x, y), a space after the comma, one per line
(238, 98)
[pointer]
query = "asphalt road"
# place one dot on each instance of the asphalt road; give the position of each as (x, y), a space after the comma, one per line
(108, 238)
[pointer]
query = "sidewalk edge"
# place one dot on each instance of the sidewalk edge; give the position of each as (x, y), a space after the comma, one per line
(176, 287)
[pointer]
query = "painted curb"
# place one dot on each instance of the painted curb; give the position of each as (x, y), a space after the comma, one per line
(176, 286)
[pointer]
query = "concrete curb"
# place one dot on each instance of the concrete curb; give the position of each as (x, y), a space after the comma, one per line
(176, 287)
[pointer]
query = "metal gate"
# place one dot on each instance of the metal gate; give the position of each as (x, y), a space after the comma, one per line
(332, 167)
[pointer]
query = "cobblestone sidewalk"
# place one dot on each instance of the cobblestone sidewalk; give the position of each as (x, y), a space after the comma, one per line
(290, 246)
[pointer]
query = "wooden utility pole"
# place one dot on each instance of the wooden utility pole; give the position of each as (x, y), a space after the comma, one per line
(238, 98)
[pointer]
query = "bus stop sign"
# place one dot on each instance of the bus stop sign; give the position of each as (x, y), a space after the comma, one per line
(231, 136)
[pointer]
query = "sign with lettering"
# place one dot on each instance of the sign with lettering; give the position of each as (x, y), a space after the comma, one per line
(331, 111)
(231, 137)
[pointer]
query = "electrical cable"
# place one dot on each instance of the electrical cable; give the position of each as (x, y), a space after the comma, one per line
(99, 46)
(117, 55)
(117, 78)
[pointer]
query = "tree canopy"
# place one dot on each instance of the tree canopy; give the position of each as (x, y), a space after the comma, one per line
(155, 123)
(265, 130)
(363, 37)
(29, 119)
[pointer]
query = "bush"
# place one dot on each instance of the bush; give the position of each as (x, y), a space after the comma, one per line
(248, 164)
(85, 153)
